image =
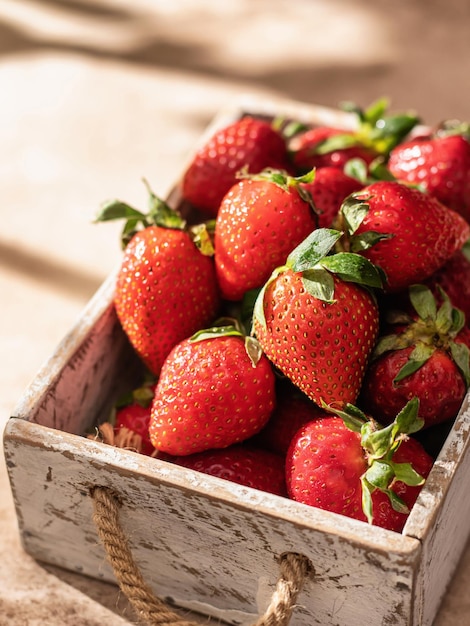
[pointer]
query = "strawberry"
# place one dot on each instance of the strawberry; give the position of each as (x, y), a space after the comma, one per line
(374, 134)
(326, 146)
(132, 418)
(260, 220)
(405, 232)
(249, 143)
(454, 279)
(328, 189)
(215, 389)
(242, 464)
(427, 358)
(166, 287)
(293, 409)
(317, 325)
(439, 164)
(348, 464)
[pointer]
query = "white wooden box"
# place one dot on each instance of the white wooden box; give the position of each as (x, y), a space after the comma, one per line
(203, 542)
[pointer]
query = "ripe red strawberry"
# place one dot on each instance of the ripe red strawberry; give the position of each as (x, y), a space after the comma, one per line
(248, 466)
(375, 134)
(427, 357)
(314, 324)
(403, 231)
(454, 279)
(132, 420)
(166, 287)
(249, 143)
(293, 409)
(211, 393)
(260, 220)
(329, 189)
(440, 165)
(355, 468)
(324, 146)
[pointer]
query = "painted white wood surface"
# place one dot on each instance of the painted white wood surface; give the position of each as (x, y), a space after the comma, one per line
(204, 542)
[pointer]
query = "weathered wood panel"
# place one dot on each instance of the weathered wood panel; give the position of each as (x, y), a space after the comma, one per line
(440, 519)
(203, 542)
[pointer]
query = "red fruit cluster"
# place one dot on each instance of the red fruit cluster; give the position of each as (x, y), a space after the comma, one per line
(302, 337)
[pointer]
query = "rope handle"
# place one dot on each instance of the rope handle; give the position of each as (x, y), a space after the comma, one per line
(151, 611)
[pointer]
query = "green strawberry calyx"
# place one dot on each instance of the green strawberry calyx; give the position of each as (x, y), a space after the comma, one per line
(231, 327)
(351, 215)
(379, 445)
(314, 260)
(375, 130)
(433, 328)
(453, 127)
(159, 213)
(378, 129)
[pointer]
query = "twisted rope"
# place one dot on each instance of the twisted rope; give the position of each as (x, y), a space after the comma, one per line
(152, 611)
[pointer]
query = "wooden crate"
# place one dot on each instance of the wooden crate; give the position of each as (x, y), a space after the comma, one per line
(202, 542)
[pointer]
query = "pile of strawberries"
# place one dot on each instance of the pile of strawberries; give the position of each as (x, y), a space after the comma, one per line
(303, 325)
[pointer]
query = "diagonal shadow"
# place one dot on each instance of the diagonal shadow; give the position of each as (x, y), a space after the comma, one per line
(163, 52)
(73, 281)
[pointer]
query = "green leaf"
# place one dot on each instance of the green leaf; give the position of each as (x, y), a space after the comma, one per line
(354, 210)
(247, 306)
(378, 170)
(201, 237)
(216, 331)
(364, 241)
(461, 355)
(445, 316)
(390, 130)
(466, 249)
(397, 503)
(416, 360)
(458, 321)
(320, 284)
(117, 210)
(312, 249)
(289, 129)
(161, 214)
(354, 268)
(357, 168)
(380, 475)
(423, 301)
(258, 309)
(378, 442)
(351, 415)
(386, 343)
(407, 421)
(253, 349)
(375, 111)
(336, 142)
(382, 442)
(367, 490)
(405, 473)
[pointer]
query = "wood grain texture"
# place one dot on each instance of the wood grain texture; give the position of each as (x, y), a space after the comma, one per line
(203, 542)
